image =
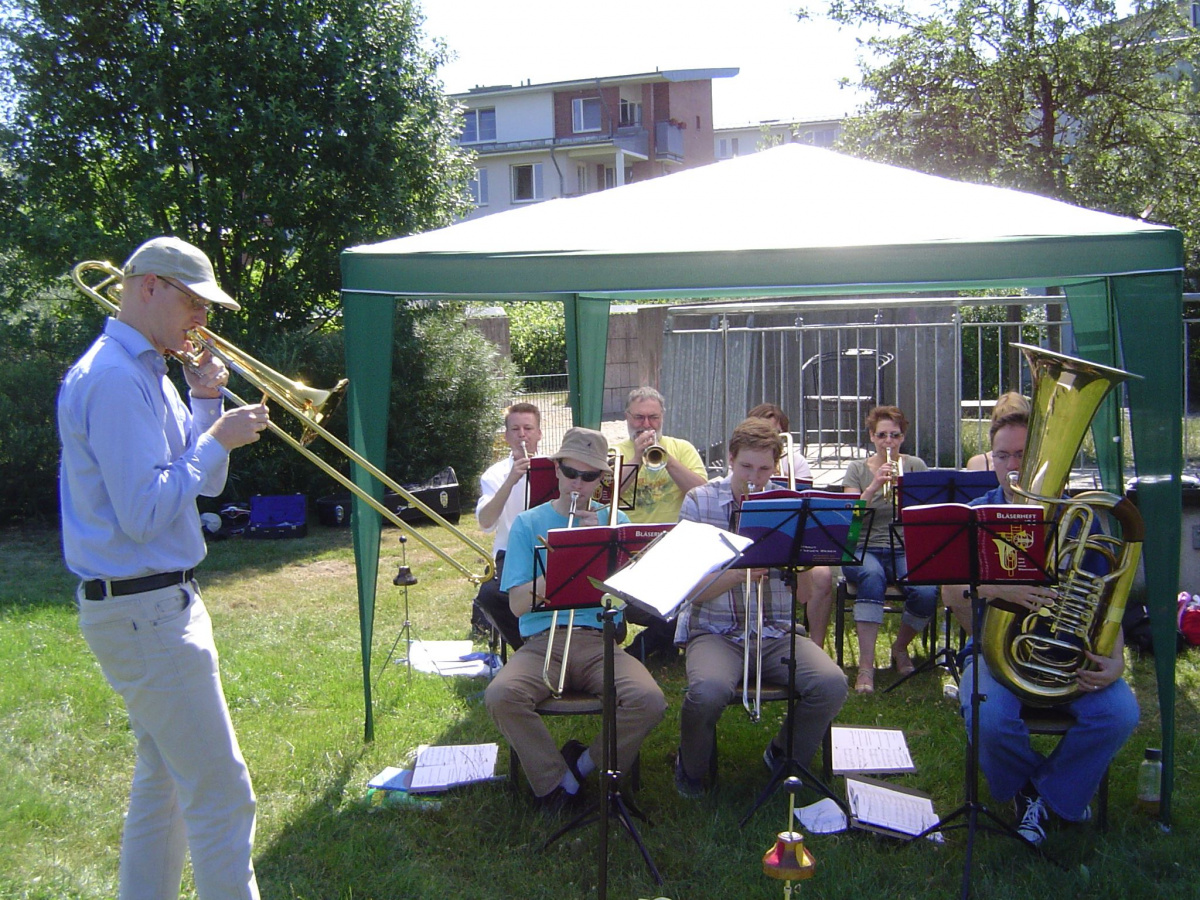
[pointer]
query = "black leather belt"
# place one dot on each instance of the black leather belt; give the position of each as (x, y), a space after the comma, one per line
(122, 587)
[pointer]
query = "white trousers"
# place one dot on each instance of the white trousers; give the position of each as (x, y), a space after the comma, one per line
(191, 789)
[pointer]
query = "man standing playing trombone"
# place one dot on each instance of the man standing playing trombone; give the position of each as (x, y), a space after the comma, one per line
(712, 627)
(512, 697)
(134, 459)
(502, 490)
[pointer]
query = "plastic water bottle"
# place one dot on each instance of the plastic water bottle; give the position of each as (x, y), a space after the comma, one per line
(1149, 782)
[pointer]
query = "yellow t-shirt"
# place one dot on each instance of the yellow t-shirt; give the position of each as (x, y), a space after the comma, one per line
(658, 497)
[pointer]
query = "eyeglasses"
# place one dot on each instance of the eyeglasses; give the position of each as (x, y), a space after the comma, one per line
(894, 435)
(1003, 456)
(196, 303)
(646, 420)
(587, 477)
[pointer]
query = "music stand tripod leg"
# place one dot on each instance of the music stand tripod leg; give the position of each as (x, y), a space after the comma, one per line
(611, 801)
(790, 766)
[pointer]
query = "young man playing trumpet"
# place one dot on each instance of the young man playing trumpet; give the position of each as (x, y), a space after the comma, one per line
(512, 698)
(1105, 712)
(712, 625)
(502, 490)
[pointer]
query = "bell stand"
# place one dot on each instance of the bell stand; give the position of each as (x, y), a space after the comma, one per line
(404, 578)
(613, 802)
(796, 561)
(972, 808)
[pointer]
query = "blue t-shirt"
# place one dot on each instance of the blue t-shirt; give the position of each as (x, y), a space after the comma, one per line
(519, 566)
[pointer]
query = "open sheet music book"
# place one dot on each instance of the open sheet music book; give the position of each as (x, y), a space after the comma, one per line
(800, 528)
(438, 768)
(1010, 542)
(578, 559)
(679, 564)
(864, 748)
(889, 809)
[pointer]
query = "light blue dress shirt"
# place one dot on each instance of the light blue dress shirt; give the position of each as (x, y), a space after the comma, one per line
(134, 460)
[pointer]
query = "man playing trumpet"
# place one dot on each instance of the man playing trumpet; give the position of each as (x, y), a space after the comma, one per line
(712, 626)
(502, 490)
(657, 485)
(512, 698)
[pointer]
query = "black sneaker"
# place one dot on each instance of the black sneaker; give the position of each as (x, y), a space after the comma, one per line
(772, 757)
(1032, 816)
(558, 801)
(689, 788)
(571, 751)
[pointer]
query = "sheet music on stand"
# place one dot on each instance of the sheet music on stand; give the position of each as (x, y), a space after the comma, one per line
(675, 567)
(863, 748)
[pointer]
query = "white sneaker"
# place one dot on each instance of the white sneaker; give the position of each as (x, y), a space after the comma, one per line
(1033, 814)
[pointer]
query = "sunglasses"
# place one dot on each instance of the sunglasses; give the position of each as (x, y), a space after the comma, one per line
(587, 477)
(894, 435)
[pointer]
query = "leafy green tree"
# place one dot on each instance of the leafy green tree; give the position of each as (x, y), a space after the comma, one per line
(1057, 97)
(272, 133)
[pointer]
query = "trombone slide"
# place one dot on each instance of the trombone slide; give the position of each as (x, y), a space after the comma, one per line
(562, 668)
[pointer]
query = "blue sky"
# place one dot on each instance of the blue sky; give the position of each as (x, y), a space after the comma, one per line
(789, 69)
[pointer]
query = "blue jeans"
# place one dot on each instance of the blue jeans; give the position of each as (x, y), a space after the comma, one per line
(1070, 775)
(879, 567)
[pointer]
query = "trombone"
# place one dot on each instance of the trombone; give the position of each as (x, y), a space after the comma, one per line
(785, 461)
(562, 669)
(753, 599)
(306, 404)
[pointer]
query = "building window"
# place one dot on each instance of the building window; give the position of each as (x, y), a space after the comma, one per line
(479, 126)
(733, 146)
(1196, 15)
(527, 182)
(631, 113)
(585, 114)
(722, 149)
(610, 177)
(581, 176)
(479, 187)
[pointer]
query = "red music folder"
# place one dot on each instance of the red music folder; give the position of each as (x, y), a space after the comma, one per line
(952, 543)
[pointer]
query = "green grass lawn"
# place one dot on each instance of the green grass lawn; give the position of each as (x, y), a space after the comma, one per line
(286, 620)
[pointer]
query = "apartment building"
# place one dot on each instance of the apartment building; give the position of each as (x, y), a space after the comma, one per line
(740, 140)
(536, 142)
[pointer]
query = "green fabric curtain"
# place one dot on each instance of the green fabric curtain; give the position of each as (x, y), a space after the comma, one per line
(587, 353)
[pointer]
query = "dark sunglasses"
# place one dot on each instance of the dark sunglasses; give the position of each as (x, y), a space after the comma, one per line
(587, 477)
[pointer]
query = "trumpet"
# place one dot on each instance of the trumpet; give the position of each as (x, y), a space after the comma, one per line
(306, 404)
(562, 669)
(889, 486)
(654, 457)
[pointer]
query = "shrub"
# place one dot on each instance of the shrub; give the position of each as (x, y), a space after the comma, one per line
(538, 336)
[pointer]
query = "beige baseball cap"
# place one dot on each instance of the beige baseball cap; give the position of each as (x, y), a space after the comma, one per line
(170, 257)
(585, 445)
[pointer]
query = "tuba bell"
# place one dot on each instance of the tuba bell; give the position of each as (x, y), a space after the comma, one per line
(1037, 655)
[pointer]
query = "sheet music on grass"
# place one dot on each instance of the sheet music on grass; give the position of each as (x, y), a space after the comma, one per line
(862, 748)
(889, 809)
(438, 768)
(675, 566)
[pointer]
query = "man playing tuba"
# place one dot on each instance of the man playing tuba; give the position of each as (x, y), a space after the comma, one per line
(1105, 711)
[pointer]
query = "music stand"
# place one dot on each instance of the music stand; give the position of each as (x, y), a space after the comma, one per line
(577, 590)
(948, 544)
(935, 486)
(815, 540)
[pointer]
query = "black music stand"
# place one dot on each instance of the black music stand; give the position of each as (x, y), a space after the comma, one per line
(813, 542)
(929, 487)
(972, 809)
(612, 802)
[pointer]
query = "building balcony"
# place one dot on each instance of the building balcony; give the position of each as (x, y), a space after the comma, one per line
(632, 139)
(668, 141)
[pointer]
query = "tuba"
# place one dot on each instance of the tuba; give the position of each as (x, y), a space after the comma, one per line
(1036, 655)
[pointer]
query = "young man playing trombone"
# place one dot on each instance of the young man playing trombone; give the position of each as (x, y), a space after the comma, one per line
(134, 459)
(512, 698)
(502, 495)
(712, 628)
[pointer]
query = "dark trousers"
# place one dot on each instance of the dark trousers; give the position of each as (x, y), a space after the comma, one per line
(493, 604)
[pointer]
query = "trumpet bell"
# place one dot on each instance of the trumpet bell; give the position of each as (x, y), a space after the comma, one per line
(654, 458)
